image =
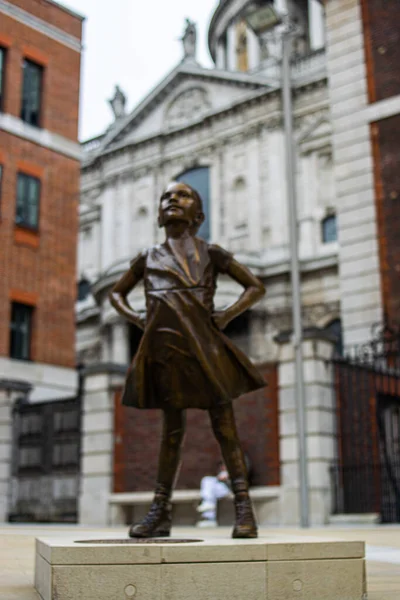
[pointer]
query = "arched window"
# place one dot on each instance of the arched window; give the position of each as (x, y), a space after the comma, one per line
(199, 179)
(83, 289)
(329, 229)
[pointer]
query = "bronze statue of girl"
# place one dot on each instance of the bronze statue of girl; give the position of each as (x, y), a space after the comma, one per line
(184, 360)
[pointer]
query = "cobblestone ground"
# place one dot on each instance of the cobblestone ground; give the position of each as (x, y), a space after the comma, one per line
(383, 553)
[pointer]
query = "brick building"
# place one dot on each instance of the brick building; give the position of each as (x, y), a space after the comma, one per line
(40, 57)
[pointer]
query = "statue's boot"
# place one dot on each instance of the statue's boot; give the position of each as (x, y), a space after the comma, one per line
(157, 522)
(245, 524)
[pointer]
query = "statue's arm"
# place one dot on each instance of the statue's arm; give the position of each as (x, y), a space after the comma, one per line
(119, 293)
(254, 290)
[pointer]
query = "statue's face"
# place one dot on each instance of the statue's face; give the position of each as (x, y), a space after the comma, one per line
(177, 203)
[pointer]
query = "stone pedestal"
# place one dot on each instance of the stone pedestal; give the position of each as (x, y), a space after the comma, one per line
(320, 424)
(213, 569)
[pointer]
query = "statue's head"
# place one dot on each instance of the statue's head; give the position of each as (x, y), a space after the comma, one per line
(181, 203)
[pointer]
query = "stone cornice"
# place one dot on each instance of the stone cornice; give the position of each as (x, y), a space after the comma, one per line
(51, 31)
(87, 314)
(168, 84)
(163, 136)
(216, 136)
(309, 333)
(105, 369)
(67, 10)
(15, 385)
(41, 137)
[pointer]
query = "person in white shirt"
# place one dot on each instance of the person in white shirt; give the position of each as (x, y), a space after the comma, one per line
(212, 489)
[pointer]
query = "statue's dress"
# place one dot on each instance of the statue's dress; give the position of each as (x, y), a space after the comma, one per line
(184, 360)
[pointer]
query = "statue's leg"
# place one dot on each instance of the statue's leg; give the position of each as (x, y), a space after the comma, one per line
(157, 522)
(224, 427)
(170, 451)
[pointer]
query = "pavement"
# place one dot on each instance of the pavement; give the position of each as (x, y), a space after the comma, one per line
(17, 546)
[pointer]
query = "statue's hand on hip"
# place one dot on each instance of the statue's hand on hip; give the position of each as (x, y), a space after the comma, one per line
(141, 319)
(221, 319)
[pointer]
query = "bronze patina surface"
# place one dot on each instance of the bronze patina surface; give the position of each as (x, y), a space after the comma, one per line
(184, 359)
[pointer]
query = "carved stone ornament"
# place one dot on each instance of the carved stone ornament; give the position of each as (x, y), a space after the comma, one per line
(190, 105)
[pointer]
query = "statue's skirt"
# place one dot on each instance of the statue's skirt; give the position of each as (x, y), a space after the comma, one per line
(184, 360)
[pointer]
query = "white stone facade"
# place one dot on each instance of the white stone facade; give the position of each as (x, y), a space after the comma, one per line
(243, 146)
(231, 122)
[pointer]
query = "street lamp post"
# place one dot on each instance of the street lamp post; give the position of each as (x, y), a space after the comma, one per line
(295, 275)
(263, 20)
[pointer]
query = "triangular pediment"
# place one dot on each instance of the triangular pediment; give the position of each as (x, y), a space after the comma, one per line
(187, 95)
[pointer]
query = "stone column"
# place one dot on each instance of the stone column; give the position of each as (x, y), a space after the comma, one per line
(308, 204)
(254, 185)
(215, 198)
(221, 55)
(107, 228)
(321, 427)
(281, 6)
(253, 49)
(231, 57)
(120, 343)
(316, 24)
(10, 391)
(278, 198)
(100, 383)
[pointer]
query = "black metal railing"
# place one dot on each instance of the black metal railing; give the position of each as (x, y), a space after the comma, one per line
(366, 476)
(366, 489)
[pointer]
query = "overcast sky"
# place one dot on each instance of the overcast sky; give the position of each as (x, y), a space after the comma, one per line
(133, 43)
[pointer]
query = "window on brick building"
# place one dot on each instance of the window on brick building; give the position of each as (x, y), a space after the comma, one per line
(31, 93)
(21, 331)
(2, 76)
(28, 198)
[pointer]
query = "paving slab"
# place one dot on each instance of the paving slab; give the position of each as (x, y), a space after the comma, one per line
(17, 552)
